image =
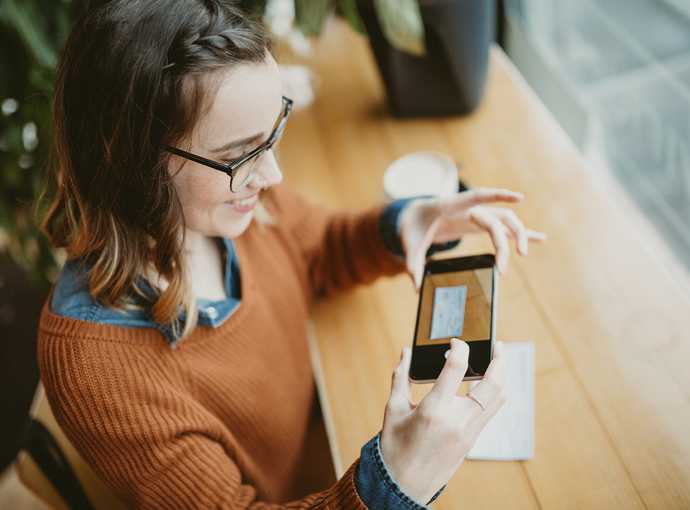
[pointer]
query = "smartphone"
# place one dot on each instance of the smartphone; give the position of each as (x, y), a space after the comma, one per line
(457, 300)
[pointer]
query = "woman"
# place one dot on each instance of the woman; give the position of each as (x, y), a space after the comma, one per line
(173, 346)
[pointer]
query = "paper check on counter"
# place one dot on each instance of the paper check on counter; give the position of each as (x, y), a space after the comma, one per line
(509, 435)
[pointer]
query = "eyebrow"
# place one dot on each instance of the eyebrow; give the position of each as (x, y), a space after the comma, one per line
(238, 143)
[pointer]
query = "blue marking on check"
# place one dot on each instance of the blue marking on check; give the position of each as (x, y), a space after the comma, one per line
(449, 312)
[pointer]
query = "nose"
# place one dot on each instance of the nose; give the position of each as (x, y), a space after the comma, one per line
(268, 170)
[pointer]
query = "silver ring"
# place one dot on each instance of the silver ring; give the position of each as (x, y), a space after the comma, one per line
(476, 400)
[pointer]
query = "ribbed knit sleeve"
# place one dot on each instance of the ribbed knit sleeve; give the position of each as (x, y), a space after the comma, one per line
(127, 403)
(340, 249)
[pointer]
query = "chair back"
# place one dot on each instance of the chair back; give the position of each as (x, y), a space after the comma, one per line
(59, 451)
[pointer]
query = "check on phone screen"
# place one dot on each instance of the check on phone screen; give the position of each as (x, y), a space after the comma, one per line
(458, 305)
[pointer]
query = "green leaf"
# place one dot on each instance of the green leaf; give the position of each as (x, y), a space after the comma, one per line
(401, 23)
(348, 8)
(311, 14)
(24, 17)
(31, 33)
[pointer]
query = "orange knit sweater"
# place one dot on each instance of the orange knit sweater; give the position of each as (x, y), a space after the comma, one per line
(221, 421)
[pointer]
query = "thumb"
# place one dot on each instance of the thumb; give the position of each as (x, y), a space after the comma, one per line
(416, 261)
(415, 268)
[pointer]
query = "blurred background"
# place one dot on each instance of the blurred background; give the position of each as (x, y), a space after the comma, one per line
(616, 74)
(31, 33)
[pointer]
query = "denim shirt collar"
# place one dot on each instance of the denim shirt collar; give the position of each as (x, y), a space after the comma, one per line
(71, 298)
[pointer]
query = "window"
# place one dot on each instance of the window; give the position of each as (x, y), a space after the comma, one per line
(616, 74)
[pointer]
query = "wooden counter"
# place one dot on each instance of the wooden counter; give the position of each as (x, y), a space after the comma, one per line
(610, 324)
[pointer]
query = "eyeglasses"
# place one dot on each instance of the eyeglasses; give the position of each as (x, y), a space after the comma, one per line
(242, 170)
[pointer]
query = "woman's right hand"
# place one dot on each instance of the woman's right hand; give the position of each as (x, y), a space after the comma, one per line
(424, 444)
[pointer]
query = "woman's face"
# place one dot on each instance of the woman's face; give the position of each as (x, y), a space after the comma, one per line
(241, 117)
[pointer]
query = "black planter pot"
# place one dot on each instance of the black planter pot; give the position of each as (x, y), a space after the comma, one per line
(450, 78)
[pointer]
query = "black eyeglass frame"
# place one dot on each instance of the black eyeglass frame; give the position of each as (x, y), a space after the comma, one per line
(230, 169)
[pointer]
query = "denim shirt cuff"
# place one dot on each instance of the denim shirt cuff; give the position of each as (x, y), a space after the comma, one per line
(376, 487)
(389, 227)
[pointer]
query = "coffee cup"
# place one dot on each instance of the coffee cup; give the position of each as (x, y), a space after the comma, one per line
(424, 173)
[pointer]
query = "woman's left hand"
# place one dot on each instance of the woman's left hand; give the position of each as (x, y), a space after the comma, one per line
(438, 220)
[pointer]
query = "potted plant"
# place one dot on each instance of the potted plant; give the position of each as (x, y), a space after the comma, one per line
(432, 54)
(32, 33)
(443, 73)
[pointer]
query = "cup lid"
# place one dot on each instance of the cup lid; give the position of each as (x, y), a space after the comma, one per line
(420, 174)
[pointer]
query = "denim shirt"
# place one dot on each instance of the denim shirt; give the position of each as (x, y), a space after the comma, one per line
(71, 298)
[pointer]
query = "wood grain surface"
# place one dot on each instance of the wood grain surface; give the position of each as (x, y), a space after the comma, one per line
(611, 324)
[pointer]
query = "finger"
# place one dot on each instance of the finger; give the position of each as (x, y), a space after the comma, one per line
(418, 277)
(516, 227)
(514, 223)
(415, 265)
(535, 236)
(416, 257)
(496, 405)
(487, 390)
(487, 195)
(401, 391)
(481, 418)
(453, 372)
(466, 199)
(497, 230)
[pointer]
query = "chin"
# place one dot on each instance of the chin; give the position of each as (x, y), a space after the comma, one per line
(235, 227)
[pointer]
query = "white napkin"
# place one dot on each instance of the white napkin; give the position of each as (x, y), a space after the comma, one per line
(509, 435)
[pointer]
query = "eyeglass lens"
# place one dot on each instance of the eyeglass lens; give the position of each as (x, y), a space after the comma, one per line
(246, 171)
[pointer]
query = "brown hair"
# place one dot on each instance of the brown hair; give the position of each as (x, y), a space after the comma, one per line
(134, 77)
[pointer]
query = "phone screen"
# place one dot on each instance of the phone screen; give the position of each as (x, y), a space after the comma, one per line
(456, 301)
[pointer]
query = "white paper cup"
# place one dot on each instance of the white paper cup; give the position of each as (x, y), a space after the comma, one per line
(424, 173)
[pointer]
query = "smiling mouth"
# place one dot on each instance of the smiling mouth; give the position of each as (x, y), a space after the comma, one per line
(243, 205)
(244, 202)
